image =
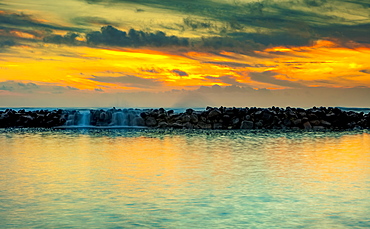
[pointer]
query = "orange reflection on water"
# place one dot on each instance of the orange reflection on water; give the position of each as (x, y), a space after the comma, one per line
(339, 163)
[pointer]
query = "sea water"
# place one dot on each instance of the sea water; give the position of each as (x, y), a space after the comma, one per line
(142, 178)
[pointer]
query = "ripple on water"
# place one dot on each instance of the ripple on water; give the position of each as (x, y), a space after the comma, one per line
(107, 178)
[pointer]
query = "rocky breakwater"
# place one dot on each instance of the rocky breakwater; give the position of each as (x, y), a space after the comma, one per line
(317, 118)
(38, 118)
(110, 117)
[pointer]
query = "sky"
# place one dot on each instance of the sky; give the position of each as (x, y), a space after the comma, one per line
(188, 53)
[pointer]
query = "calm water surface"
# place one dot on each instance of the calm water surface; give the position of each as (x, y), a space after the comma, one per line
(184, 179)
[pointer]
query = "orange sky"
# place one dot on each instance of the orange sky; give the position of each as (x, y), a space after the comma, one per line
(41, 55)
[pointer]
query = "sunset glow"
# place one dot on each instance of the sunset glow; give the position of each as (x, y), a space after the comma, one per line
(95, 54)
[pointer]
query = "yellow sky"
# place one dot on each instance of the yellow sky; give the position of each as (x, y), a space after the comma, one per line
(323, 64)
(273, 45)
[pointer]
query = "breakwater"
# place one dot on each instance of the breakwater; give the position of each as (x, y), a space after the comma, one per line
(316, 118)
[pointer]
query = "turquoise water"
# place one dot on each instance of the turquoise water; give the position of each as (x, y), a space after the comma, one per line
(118, 178)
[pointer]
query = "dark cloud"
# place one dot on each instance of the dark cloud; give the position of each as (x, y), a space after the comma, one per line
(227, 89)
(229, 64)
(69, 38)
(72, 88)
(268, 22)
(228, 79)
(90, 20)
(115, 37)
(21, 20)
(195, 24)
(20, 28)
(29, 87)
(179, 72)
(268, 77)
(152, 70)
(365, 71)
(6, 43)
(128, 80)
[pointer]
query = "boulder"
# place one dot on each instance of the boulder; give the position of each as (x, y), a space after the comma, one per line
(194, 118)
(162, 124)
(315, 122)
(214, 113)
(246, 125)
(235, 121)
(185, 118)
(297, 122)
(217, 125)
(307, 125)
(151, 121)
(203, 125)
(318, 128)
(188, 125)
(189, 111)
(325, 123)
(259, 124)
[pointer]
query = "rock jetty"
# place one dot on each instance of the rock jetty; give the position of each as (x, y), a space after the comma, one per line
(316, 118)
(258, 118)
(38, 118)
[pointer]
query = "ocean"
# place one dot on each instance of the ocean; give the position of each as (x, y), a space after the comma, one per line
(150, 178)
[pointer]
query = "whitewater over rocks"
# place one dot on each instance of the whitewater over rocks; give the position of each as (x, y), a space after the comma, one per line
(316, 118)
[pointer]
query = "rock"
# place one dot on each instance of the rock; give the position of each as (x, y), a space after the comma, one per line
(246, 125)
(325, 123)
(259, 124)
(266, 116)
(177, 125)
(307, 125)
(214, 114)
(185, 118)
(217, 125)
(194, 118)
(287, 122)
(189, 111)
(203, 125)
(297, 122)
(318, 128)
(151, 121)
(315, 122)
(162, 124)
(235, 121)
(188, 125)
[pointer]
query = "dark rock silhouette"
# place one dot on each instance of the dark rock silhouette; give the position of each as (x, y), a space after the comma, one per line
(316, 118)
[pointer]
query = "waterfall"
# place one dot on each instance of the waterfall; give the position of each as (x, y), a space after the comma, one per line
(84, 119)
(118, 119)
(113, 118)
(124, 117)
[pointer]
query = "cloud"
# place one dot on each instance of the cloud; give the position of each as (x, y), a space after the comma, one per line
(179, 72)
(21, 28)
(112, 36)
(268, 77)
(91, 20)
(69, 38)
(365, 71)
(229, 64)
(227, 79)
(6, 43)
(30, 87)
(11, 20)
(292, 22)
(129, 80)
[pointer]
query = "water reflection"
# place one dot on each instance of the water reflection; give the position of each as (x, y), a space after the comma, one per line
(175, 179)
